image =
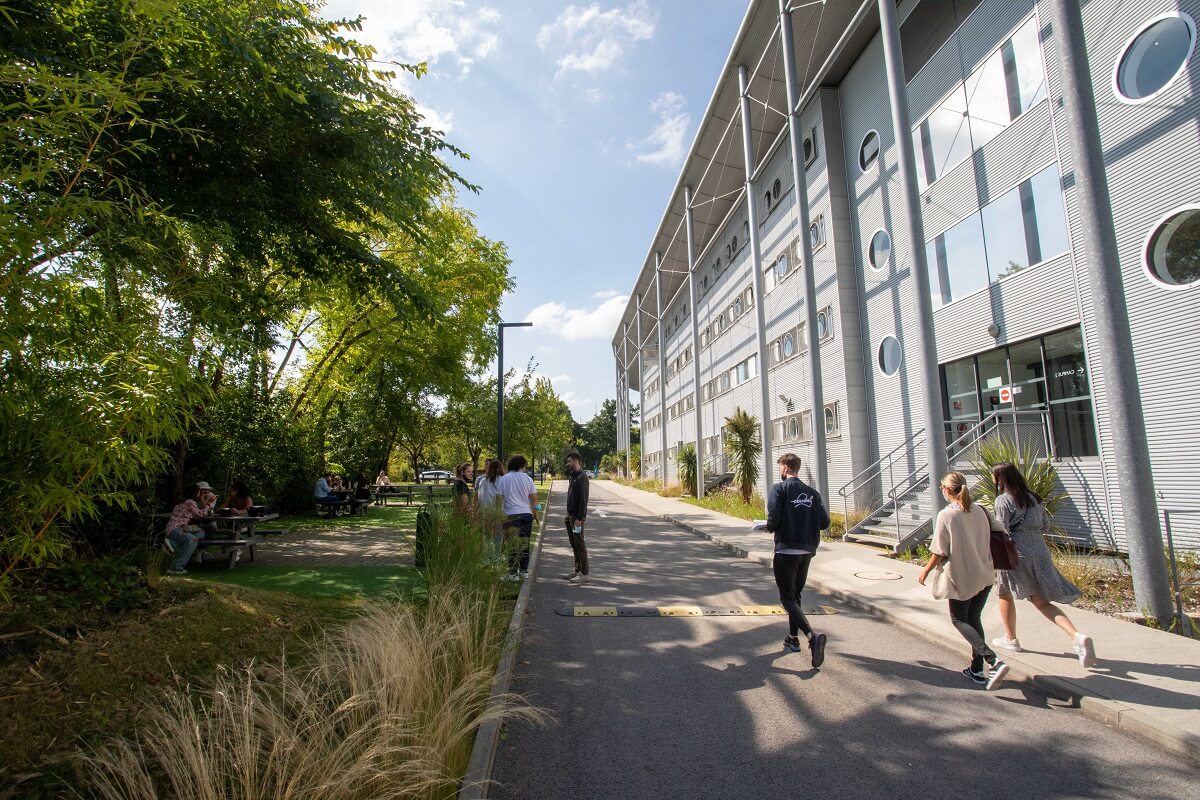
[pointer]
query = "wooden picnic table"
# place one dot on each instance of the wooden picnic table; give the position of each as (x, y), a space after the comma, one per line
(233, 535)
(423, 492)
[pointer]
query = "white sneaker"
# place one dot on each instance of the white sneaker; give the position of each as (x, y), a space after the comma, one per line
(581, 579)
(1085, 650)
(1007, 643)
(996, 673)
(510, 577)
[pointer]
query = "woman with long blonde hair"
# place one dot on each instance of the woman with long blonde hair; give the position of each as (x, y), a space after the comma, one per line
(962, 557)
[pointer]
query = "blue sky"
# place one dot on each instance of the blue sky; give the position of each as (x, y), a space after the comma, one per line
(576, 118)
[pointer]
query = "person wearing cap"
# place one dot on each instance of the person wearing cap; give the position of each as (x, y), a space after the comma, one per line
(181, 536)
(208, 498)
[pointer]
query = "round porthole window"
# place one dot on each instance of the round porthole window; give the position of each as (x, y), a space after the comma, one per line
(880, 251)
(823, 325)
(808, 150)
(891, 355)
(746, 230)
(782, 267)
(767, 199)
(831, 421)
(733, 244)
(793, 429)
(1154, 57)
(1172, 254)
(776, 188)
(814, 235)
(717, 266)
(738, 307)
(868, 151)
(789, 345)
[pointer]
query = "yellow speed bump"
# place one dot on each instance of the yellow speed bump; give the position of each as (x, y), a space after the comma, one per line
(595, 611)
(680, 611)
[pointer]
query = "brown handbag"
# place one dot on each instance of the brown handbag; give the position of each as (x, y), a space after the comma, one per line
(1004, 549)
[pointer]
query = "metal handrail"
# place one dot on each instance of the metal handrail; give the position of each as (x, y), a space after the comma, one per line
(878, 464)
(1185, 622)
(1043, 413)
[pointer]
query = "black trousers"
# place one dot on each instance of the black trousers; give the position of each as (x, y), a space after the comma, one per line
(578, 546)
(967, 616)
(791, 572)
(519, 528)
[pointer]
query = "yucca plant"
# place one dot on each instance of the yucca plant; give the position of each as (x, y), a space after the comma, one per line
(744, 447)
(1039, 473)
(687, 468)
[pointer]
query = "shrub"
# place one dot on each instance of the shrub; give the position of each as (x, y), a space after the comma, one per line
(744, 447)
(687, 468)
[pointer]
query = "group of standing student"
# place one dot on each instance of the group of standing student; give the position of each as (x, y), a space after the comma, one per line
(961, 558)
(513, 494)
(964, 575)
(182, 536)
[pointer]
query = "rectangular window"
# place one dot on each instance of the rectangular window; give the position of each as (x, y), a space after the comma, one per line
(1026, 225)
(1070, 395)
(942, 139)
(957, 262)
(1006, 85)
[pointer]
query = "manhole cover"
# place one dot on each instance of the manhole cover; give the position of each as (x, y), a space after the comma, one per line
(878, 576)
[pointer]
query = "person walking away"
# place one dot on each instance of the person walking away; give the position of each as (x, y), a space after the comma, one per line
(1023, 514)
(464, 479)
(520, 506)
(962, 556)
(577, 504)
(182, 537)
(796, 514)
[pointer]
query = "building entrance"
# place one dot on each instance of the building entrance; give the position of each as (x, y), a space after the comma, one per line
(1046, 373)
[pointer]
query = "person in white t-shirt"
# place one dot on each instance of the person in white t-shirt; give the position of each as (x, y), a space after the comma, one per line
(520, 506)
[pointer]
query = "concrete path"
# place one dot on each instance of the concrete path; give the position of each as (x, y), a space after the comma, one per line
(712, 707)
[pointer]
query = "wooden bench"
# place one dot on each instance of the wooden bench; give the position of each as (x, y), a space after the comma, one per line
(231, 546)
(359, 505)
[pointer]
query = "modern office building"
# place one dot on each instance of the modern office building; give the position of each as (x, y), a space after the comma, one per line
(953, 290)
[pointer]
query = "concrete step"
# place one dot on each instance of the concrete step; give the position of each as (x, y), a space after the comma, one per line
(868, 538)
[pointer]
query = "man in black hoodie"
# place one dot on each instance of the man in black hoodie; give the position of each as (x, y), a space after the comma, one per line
(796, 515)
(577, 504)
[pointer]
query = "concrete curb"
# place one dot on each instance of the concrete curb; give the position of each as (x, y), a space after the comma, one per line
(1106, 710)
(477, 780)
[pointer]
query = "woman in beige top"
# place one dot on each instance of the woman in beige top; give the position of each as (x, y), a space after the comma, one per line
(961, 546)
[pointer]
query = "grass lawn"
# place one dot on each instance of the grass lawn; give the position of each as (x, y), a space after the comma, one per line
(316, 582)
(74, 692)
(394, 516)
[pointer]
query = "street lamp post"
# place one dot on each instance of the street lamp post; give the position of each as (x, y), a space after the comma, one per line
(500, 385)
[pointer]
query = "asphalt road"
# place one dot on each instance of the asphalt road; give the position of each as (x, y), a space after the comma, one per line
(713, 707)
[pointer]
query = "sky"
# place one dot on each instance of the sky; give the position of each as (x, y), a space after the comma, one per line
(576, 119)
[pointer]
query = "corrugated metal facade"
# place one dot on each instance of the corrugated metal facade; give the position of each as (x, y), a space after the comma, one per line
(1153, 167)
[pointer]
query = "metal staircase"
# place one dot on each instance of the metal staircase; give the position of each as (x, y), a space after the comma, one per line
(894, 491)
(716, 472)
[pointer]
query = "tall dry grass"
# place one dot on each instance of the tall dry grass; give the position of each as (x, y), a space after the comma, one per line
(385, 706)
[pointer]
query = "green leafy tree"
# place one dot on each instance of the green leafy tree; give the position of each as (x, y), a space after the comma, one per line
(686, 467)
(744, 447)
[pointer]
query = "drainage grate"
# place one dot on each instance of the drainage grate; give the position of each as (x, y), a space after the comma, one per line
(683, 611)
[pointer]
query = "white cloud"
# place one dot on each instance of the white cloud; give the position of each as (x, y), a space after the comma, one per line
(665, 145)
(607, 293)
(578, 323)
(429, 31)
(438, 120)
(587, 39)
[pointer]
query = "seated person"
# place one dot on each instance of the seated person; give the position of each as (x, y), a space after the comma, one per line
(208, 498)
(382, 479)
(323, 493)
(182, 537)
(337, 486)
(238, 499)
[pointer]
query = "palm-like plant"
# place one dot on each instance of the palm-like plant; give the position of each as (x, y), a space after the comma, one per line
(687, 468)
(1039, 473)
(744, 447)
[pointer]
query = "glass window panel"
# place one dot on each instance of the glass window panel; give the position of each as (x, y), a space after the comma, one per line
(868, 151)
(1026, 374)
(1074, 429)
(1066, 366)
(1173, 255)
(1006, 85)
(993, 374)
(1026, 225)
(943, 138)
(957, 261)
(962, 401)
(1004, 227)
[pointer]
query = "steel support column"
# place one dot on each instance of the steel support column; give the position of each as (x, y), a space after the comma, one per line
(641, 373)
(662, 364)
(760, 316)
(800, 187)
(695, 316)
(1131, 451)
(928, 380)
(625, 399)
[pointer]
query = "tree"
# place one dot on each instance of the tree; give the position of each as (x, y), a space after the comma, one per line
(417, 430)
(744, 447)
(471, 418)
(599, 435)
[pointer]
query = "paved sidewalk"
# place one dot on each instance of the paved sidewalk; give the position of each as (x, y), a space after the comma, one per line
(1145, 681)
(376, 547)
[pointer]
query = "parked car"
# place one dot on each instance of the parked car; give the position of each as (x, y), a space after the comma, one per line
(436, 475)
(591, 473)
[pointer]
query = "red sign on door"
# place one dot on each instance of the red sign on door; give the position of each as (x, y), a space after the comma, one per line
(1005, 394)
